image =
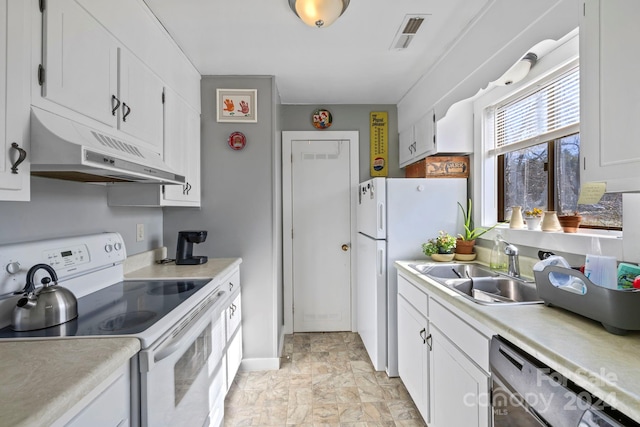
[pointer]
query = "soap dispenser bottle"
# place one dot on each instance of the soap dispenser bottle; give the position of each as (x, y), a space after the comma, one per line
(498, 260)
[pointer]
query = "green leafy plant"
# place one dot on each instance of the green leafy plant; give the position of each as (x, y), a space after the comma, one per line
(471, 232)
(443, 244)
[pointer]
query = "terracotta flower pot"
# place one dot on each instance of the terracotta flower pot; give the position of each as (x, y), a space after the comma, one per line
(570, 223)
(465, 246)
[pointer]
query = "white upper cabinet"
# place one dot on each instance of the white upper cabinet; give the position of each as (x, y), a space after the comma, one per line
(140, 95)
(80, 60)
(182, 150)
(181, 153)
(87, 70)
(610, 94)
(417, 141)
(14, 100)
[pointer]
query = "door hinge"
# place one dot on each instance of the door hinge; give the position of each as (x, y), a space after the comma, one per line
(42, 4)
(163, 97)
(41, 75)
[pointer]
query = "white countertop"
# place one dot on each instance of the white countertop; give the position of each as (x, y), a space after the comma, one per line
(42, 380)
(577, 347)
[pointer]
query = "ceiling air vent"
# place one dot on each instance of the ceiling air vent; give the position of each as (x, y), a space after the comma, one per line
(408, 29)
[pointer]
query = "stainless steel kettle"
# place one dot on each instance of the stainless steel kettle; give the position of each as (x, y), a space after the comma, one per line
(47, 306)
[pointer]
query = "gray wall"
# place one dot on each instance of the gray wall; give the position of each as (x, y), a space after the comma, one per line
(239, 208)
(65, 208)
(349, 117)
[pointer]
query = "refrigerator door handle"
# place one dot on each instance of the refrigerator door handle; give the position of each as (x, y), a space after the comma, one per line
(380, 262)
(381, 220)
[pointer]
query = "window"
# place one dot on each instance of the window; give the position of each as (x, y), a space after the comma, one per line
(537, 145)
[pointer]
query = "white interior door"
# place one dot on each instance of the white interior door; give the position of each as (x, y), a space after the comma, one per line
(321, 235)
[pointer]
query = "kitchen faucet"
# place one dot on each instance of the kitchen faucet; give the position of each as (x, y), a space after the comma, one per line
(511, 251)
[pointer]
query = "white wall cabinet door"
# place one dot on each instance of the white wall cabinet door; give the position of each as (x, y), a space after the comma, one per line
(80, 61)
(413, 354)
(140, 94)
(14, 96)
(459, 387)
(610, 94)
(182, 150)
(417, 142)
(89, 72)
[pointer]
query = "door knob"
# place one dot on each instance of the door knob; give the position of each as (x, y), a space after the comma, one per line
(345, 247)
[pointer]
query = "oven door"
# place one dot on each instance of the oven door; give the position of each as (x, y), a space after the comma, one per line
(181, 377)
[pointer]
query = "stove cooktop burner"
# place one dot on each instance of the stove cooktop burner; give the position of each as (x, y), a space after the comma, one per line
(171, 288)
(127, 320)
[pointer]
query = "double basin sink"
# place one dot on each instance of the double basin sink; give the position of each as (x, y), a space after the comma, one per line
(479, 284)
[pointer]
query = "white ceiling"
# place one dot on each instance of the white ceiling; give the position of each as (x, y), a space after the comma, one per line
(349, 62)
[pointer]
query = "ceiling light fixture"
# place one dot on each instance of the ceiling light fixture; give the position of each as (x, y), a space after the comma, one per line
(519, 70)
(318, 13)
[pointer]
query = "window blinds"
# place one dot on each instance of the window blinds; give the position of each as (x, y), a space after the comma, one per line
(551, 112)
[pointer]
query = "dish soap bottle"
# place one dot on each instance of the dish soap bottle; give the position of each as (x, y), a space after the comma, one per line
(498, 260)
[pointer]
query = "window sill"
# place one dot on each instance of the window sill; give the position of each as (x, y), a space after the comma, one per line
(579, 243)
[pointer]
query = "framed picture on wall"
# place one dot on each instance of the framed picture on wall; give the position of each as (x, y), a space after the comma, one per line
(237, 105)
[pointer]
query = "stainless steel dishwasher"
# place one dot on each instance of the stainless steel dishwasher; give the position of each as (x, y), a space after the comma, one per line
(526, 393)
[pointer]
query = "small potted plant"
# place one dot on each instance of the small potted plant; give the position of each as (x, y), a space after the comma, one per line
(570, 222)
(467, 240)
(533, 218)
(440, 248)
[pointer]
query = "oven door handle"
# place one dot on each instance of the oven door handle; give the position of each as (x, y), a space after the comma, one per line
(188, 331)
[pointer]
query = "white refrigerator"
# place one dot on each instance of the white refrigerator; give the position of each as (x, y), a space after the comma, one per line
(395, 216)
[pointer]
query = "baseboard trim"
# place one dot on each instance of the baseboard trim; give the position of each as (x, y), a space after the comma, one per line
(264, 364)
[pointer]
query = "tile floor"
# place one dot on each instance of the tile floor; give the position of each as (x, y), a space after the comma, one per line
(325, 379)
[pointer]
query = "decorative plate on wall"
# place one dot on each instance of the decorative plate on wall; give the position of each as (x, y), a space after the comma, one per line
(321, 119)
(237, 141)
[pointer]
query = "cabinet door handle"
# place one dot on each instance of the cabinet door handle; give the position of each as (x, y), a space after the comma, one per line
(115, 107)
(429, 342)
(230, 286)
(22, 154)
(423, 334)
(125, 113)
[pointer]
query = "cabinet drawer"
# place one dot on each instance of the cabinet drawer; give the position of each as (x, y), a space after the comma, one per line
(413, 295)
(231, 282)
(468, 339)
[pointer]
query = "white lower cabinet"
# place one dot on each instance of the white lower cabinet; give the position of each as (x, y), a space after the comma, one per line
(413, 354)
(443, 359)
(460, 389)
(109, 405)
(233, 315)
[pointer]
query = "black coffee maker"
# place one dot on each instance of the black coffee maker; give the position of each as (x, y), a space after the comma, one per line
(184, 252)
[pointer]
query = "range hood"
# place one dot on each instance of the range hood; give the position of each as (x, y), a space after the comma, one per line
(64, 149)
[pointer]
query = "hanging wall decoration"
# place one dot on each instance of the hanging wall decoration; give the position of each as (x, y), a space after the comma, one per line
(379, 143)
(237, 141)
(321, 119)
(237, 105)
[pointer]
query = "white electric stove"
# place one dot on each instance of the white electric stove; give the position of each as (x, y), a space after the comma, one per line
(176, 321)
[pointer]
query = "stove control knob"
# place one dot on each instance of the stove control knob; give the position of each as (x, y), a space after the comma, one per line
(13, 267)
(117, 246)
(108, 247)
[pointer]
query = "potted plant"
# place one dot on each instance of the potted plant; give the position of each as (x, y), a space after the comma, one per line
(533, 218)
(467, 240)
(570, 222)
(440, 248)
